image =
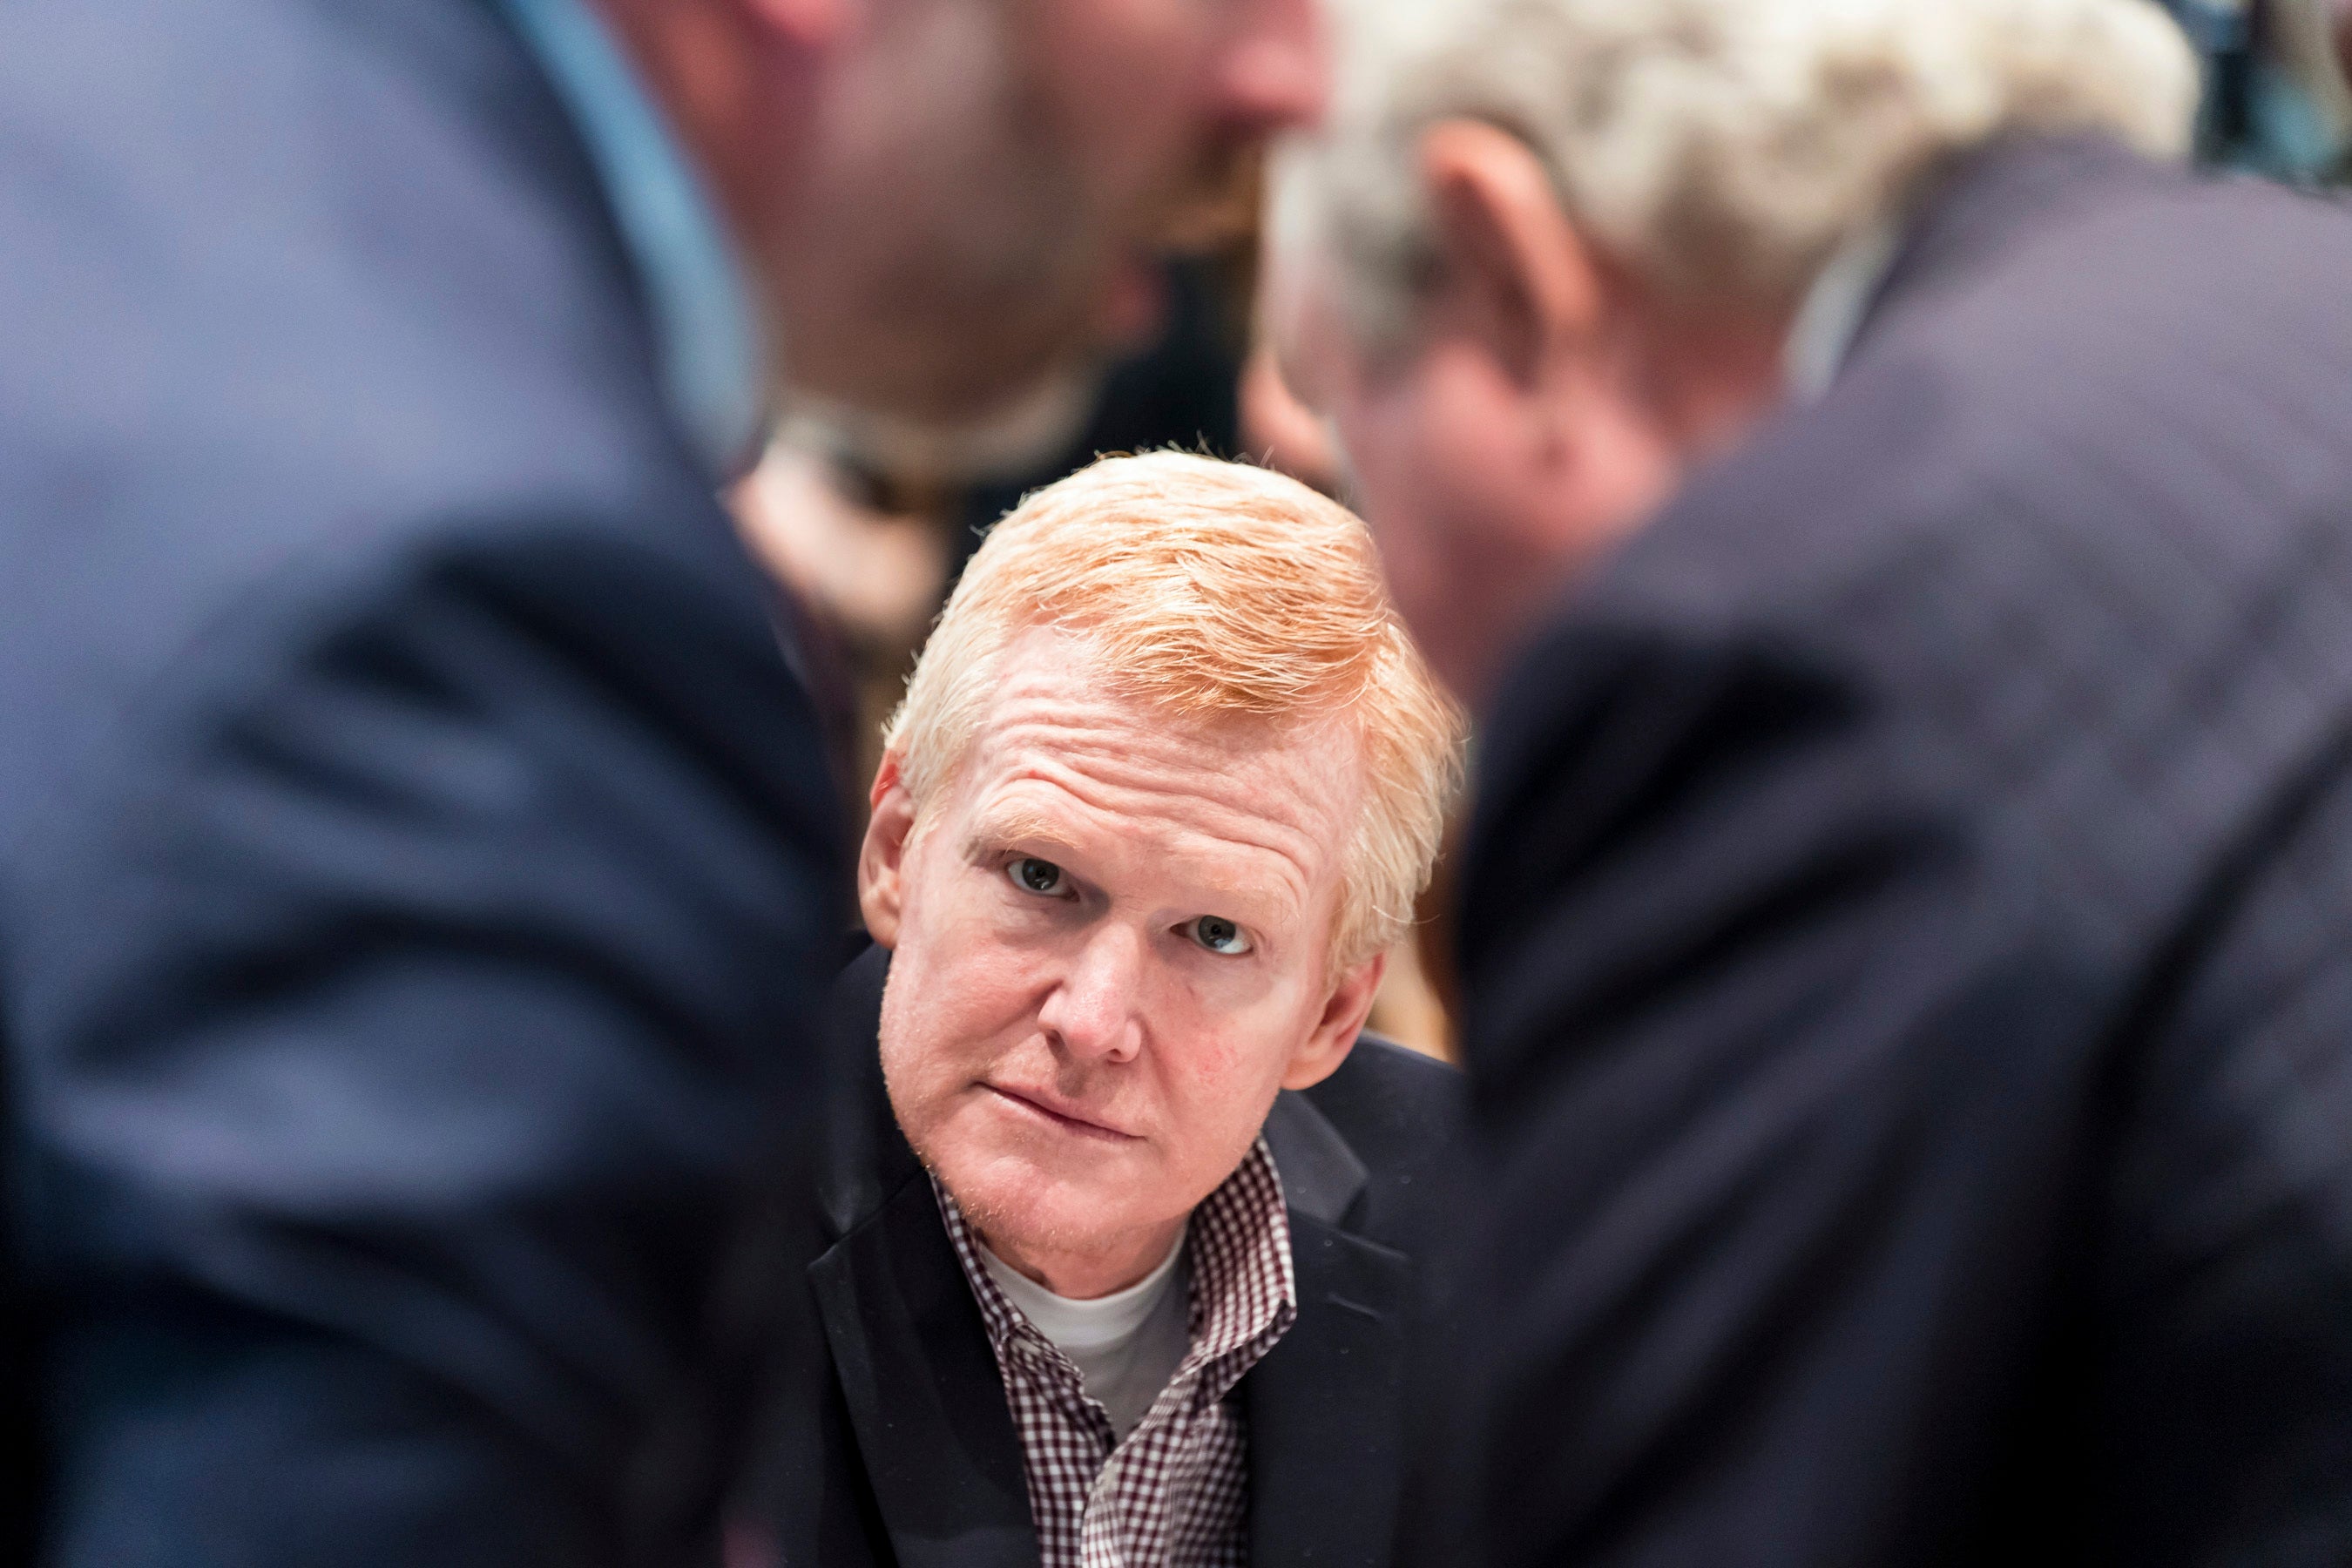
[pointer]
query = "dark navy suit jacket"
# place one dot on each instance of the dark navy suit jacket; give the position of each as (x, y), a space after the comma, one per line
(873, 1427)
(413, 849)
(1907, 934)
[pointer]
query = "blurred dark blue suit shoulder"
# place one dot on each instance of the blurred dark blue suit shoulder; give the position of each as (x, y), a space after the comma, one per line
(415, 850)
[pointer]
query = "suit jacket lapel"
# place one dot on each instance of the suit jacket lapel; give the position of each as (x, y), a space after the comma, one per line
(923, 1391)
(1326, 1405)
(925, 1397)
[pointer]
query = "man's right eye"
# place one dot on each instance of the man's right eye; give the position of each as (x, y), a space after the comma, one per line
(1034, 876)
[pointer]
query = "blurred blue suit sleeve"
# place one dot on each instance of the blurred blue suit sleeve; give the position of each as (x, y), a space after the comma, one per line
(395, 1018)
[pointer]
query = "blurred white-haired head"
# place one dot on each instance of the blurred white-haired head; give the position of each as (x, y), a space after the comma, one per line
(1714, 148)
(1546, 257)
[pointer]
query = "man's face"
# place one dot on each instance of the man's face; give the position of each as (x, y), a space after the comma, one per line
(993, 177)
(1110, 942)
(1489, 485)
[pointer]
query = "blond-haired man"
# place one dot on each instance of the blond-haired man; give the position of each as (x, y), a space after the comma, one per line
(1892, 518)
(1116, 1251)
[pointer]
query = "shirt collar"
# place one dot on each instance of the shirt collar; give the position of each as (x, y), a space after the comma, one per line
(712, 351)
(1831, 316)
(1075, 1325)
(1244, 1288)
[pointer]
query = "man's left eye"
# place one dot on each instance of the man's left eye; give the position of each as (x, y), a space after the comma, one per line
(1219, 935)
(1037, 876)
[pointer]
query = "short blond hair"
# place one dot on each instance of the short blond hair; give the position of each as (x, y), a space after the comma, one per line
(1718, 149)
(1214, 592)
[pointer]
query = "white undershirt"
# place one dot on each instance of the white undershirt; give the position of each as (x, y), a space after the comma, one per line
(1126, 1346)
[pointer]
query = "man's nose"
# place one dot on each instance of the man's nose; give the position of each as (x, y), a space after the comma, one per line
(1092, 1013)
(1277, 75)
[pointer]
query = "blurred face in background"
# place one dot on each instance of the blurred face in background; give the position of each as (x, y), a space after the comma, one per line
(992, 178)
(1538, 410)
(1488, 486)
(1111, 949)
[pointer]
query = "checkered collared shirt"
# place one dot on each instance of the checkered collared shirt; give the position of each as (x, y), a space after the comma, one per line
(1175, 1493)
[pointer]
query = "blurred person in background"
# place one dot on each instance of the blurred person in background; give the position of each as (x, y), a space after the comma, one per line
(2276, 97)
(1120, 1224)
(1896, 526)
(417, 855)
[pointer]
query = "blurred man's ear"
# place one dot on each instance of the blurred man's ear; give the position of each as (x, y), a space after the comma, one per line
(1335, 1033)
(882, 860)
(1514, 273)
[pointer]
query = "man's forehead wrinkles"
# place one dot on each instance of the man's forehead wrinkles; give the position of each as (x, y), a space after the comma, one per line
(1234, 808)
(1047, 703)
(1193, 825)
(1257, 812)
(1119, 751)
(1197, 833)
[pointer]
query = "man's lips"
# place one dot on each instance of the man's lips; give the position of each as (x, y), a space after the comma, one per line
(1043, 1106)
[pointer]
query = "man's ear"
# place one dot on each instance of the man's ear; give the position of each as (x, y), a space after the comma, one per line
(1513, 272)
(882, 859)
(1350, 1005)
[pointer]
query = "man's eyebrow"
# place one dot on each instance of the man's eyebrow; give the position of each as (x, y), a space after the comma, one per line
(1008, 824)
(1268, 898)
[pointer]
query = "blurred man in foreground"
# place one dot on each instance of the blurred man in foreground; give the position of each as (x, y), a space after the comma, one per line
(417, 858)
(1120, 1226)
(1894, 525)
